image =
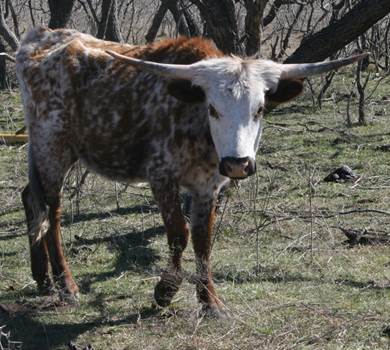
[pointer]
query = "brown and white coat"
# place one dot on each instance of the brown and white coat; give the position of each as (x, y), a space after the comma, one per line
(192, 121)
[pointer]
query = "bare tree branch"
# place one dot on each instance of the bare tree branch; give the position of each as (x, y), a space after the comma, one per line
(108, 25)
(156, 23)
(341, 32)
(7, 34)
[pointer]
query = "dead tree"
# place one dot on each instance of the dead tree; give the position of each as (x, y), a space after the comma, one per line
(361, 87)
(253, 25)
(185, 24)
(6, 33)
(220, 23)
(11, 39)
(108, 27)
(341, 32)
(60, 13)
(156, 23)
(3, 71)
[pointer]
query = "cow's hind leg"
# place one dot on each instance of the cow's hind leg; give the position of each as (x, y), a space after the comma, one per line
(61, 272)
(49, 162)
(167, 196)
(202, 221)
(36, 216)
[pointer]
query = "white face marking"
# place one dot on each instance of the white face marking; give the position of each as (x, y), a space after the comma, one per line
(236, 90)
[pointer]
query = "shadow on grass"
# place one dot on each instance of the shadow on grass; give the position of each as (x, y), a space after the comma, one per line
(371, 285)
(13, 224)
(37, 335)
(274, 275)
(8, 237)
(137, 209)
(133, 254)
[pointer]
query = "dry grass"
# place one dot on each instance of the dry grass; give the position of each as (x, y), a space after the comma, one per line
(279, 261)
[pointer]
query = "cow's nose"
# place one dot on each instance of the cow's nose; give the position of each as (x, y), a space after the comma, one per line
(237, 168)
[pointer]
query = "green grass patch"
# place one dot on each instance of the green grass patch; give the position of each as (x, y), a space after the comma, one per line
(280, 261)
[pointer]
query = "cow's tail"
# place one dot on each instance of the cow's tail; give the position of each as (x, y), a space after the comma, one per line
(34, 202)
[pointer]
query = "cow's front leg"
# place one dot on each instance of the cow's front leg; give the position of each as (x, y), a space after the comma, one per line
(167, 197)
(202, 221)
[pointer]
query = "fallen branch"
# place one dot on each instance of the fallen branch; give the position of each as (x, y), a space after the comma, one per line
(13, 138)
(365, 237)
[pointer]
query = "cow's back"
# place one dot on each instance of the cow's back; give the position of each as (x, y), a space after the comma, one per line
(119, 121)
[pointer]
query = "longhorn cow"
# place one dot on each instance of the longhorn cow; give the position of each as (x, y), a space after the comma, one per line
(175, 113)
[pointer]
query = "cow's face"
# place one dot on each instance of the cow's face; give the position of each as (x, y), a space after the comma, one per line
(236, 92)
(235, 116)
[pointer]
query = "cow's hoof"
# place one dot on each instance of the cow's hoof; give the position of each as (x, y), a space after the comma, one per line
(46, 287)
(166, 289)
(214, 311)
(69, 291)
(71, 299)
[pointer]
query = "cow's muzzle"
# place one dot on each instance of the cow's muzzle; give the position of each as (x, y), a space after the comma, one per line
(237, 168)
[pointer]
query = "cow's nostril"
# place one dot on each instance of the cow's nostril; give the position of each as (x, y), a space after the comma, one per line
(237, 168)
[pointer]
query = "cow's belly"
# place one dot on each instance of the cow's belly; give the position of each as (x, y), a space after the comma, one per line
(124, 173)
(123, 162)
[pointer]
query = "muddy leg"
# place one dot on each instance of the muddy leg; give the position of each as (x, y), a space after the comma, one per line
(167, 196)
(202, 221)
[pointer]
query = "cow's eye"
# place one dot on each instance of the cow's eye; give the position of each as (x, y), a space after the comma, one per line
(213, 112)
(259, 113)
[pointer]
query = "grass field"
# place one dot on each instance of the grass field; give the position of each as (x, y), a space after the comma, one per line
(280, 261)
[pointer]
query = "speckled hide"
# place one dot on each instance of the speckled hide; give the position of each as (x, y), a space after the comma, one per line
(177, 113)
(81, 104)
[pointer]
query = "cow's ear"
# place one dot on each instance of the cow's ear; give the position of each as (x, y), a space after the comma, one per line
(186, 92)
(286, 91)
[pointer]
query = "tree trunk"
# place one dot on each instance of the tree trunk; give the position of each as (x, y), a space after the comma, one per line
(191, 23)
(361, 91)
(108, 26)
(253, 25)
(3, 71)
(178, 16)
(60, 12)
(341, 32)
(6, 33)
(14, 18)
(156, 23)
(273, 12)
(184, 22)
(386, 40)
(221, 24)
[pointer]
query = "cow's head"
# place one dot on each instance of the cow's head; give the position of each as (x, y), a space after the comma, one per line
(237, 92)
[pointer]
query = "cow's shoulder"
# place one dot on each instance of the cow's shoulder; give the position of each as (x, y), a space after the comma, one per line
(182, 50)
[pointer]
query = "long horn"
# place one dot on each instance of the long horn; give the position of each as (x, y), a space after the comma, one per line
(177, 71)
(303, 70)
